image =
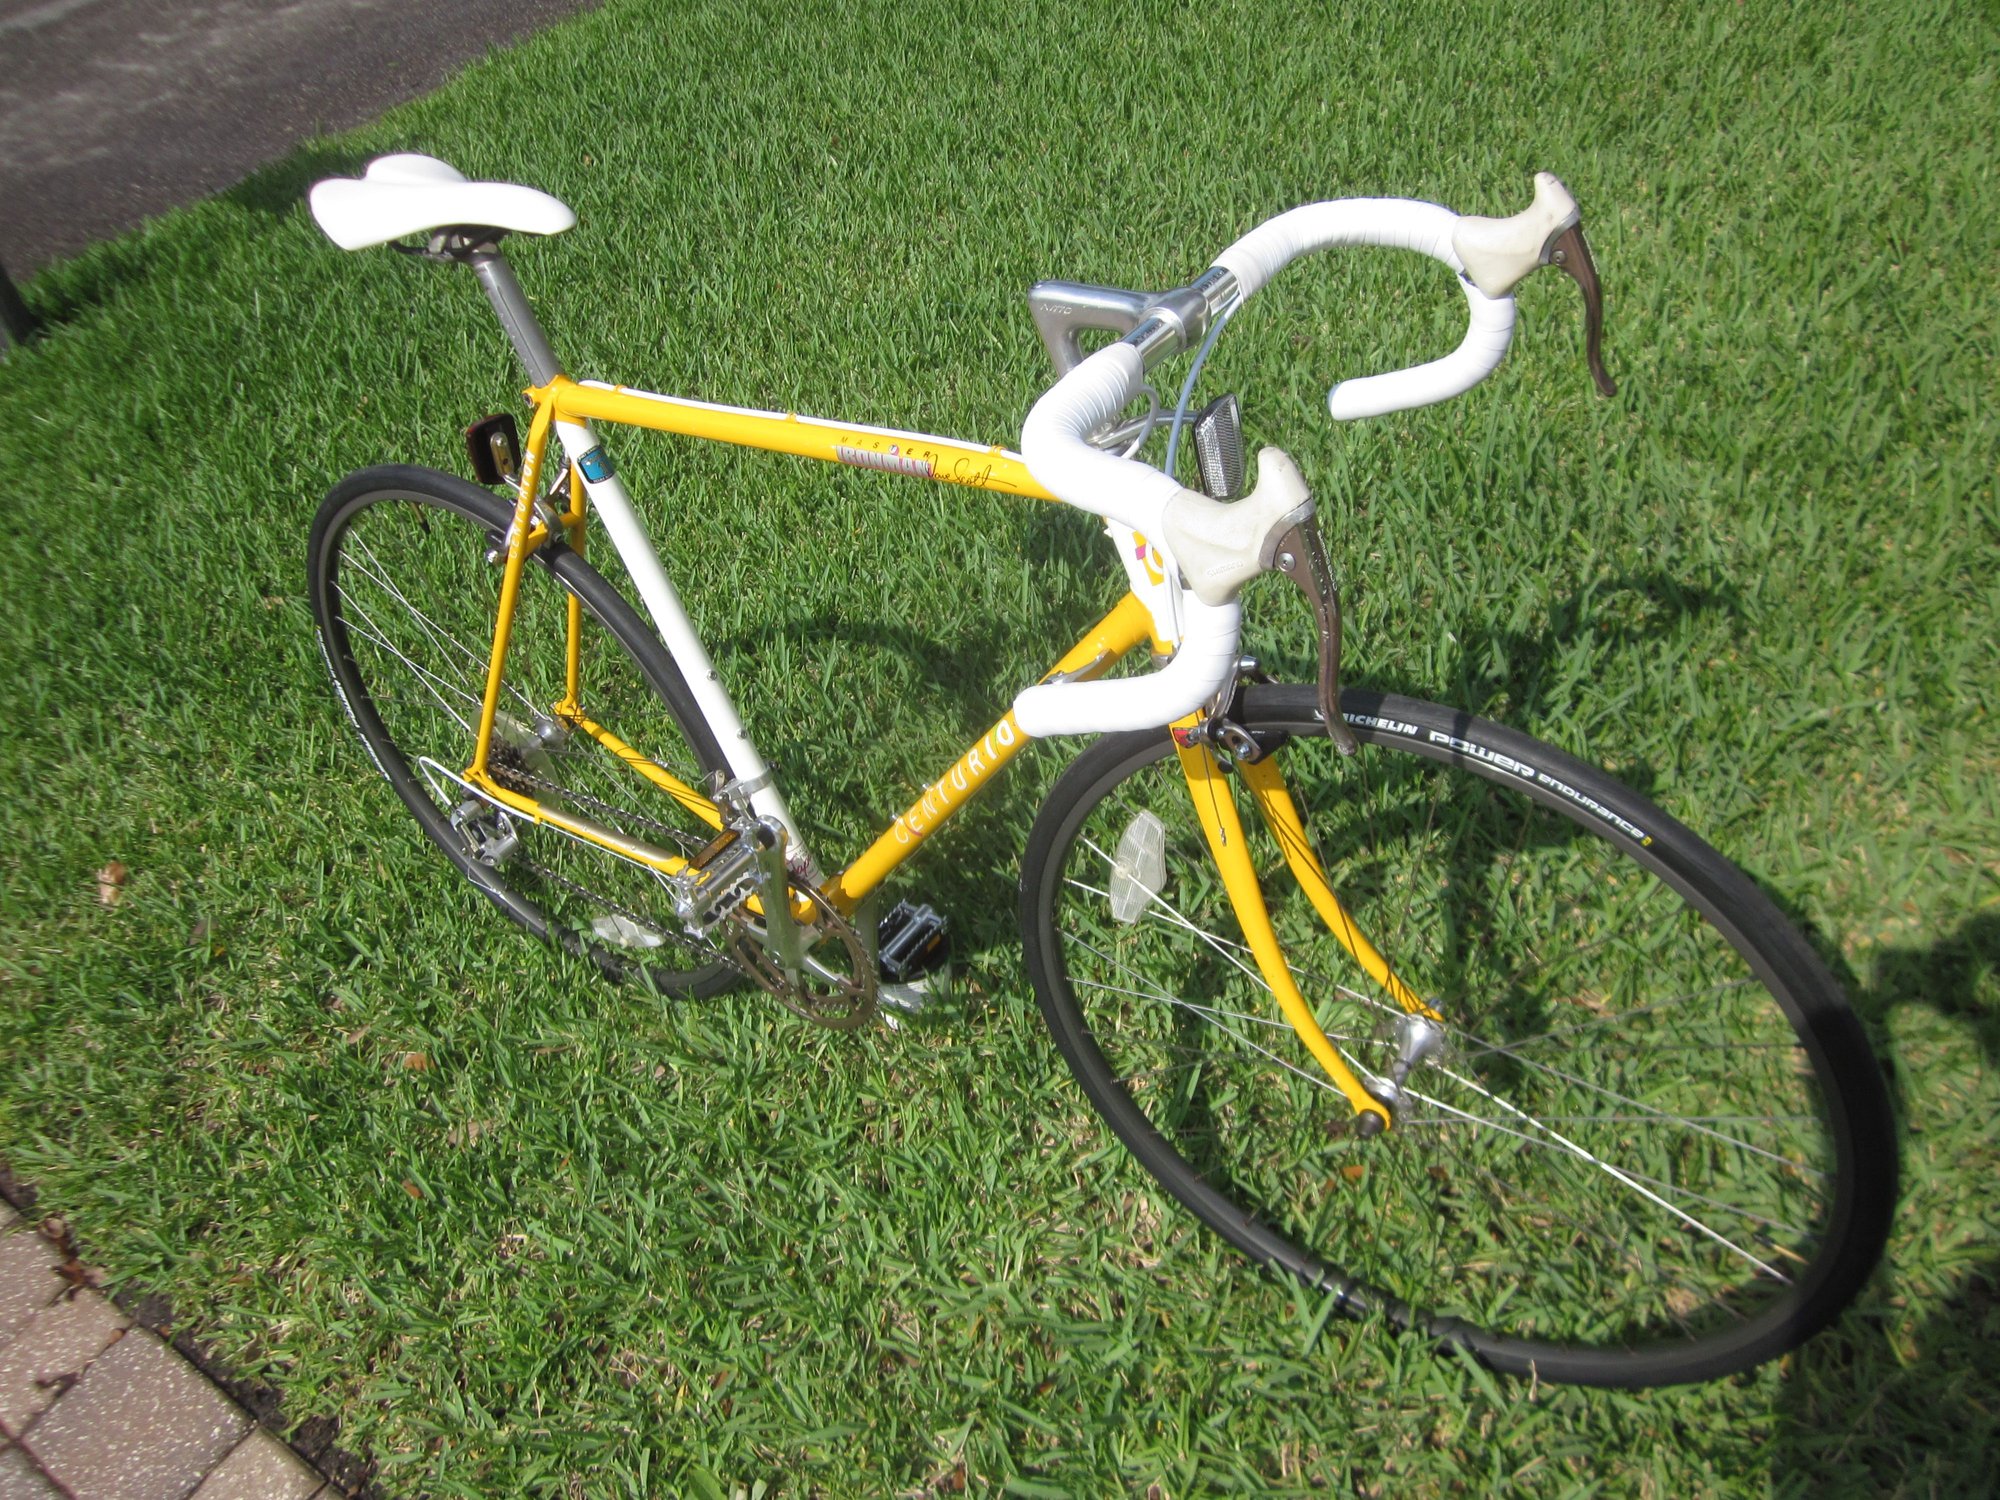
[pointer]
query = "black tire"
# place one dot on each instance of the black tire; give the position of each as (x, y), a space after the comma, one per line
(1627, 1016)
(405, 601)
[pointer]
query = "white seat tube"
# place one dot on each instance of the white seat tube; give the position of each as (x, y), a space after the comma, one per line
(677, 633)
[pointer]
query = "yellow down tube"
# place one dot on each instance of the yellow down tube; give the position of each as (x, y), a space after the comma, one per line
(1215, 806)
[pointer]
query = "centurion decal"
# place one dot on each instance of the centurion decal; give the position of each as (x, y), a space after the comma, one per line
(944, 795)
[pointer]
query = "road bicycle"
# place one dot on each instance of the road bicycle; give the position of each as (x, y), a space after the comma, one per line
(1435, 1018)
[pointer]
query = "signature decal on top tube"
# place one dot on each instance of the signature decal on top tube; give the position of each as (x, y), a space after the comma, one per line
(976, 470)
(596, 465)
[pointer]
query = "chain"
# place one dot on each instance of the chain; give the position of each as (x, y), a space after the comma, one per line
(556, 877)
(851, 1002)
(517, 771)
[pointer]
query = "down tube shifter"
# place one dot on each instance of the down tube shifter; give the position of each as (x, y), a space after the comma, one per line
(1301, 557)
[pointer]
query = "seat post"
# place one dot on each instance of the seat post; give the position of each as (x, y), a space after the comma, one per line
(510, 304)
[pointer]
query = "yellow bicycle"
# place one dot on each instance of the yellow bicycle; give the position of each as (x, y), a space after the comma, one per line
(1433, 1017)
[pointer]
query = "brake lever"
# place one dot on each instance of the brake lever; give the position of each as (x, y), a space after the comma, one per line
(1497, 253)
(1301, 557)
(1569, 251)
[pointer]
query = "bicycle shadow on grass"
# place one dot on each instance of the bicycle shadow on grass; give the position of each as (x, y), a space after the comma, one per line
(280, 188)
(1887, 1402)
(957, 675)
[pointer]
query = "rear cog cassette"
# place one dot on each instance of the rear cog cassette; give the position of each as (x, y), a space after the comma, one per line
(836, 982)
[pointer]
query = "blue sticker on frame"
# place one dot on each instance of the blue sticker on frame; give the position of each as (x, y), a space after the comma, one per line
(596, 465)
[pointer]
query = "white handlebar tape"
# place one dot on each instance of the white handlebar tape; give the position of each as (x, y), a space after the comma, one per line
(1130, 494)
(1052, 441)
(1203, 662)
(1399, 223)
(1477, 356)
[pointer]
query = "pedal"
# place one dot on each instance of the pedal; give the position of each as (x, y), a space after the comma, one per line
(724, 875)
(913, 958)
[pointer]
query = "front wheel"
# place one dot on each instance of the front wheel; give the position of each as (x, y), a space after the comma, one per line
(1655, 1146)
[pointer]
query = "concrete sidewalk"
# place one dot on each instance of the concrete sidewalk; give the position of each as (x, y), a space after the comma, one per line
(115, 110)
(93, 1408)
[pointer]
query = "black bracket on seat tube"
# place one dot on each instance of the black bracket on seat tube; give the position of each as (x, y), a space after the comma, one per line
(1301, 557)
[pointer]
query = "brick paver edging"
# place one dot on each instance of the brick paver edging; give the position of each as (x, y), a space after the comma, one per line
(106, 1396)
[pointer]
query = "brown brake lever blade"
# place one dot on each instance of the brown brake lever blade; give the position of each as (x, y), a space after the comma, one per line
(1301, 557)
(1570, 251)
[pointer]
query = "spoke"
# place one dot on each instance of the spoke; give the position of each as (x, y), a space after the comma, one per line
(379, 576)
(1511, 1049)
(1178, 919)
(1646, 1110)
(1212, 1014)
(1272, 1022)
(1615, 1173)
(1679, 1189)
(426, 679)
(376, 573)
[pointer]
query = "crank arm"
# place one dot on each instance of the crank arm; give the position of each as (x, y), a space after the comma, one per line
(782, 936)
(1301, 557)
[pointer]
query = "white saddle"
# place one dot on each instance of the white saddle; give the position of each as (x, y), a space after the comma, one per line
(408, 194)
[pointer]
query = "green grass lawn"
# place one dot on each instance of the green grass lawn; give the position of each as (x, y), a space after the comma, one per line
(602, 1247)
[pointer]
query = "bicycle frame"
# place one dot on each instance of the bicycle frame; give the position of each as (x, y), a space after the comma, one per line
(565, 408)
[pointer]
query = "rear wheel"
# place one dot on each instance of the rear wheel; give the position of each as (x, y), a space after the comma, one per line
(405, 598)
(1655, 1146)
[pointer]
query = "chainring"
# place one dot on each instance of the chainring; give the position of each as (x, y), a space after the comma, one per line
(836, 984)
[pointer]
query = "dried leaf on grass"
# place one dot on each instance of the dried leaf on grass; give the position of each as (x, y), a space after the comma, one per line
(75, 1274)
(110, 881)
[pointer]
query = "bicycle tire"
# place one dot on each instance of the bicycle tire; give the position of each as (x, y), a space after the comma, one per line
(405, 597)
(1562, 1194)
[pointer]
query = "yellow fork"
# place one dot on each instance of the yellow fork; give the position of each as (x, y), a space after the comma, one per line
(1215, 807)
